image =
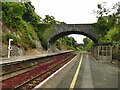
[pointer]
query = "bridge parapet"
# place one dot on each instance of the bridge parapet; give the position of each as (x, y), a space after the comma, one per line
(66, 29)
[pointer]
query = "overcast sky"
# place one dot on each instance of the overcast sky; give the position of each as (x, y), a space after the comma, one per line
(70, 11)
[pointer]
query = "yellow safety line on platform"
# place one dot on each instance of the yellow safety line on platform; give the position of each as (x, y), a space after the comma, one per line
(76, 74)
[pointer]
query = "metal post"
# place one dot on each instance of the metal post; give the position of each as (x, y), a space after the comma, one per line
(9, 47)
(98, 53)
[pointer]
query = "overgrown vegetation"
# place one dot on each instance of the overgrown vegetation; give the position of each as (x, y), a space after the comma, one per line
(22, 17)
(108, 24)
(12, 15)
(66, 42)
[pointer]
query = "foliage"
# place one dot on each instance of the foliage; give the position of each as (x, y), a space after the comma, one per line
(113, 35)
(12, 13)
(7, 36)
(88, 43)
(30, 15)
(13, 17)
(107, 26)
(68, 42)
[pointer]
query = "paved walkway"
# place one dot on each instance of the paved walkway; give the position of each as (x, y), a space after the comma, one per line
(27, 57)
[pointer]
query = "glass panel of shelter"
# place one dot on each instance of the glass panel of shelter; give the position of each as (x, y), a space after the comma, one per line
(104, 50)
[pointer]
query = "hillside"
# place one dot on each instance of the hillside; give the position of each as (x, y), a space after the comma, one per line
(28, 30)
(18, 46)
(16, 25)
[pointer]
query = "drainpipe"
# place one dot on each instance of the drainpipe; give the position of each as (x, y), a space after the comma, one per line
(9, 47)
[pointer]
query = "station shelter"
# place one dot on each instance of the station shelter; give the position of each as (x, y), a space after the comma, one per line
(102, 52)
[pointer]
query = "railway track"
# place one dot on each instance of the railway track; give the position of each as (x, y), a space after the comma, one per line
(21, 67)
(30, 78)
(15, 71)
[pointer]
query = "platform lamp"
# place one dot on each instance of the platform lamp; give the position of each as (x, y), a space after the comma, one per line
(9, 47)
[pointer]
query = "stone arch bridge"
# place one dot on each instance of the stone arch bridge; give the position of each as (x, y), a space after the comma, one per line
(61, 30)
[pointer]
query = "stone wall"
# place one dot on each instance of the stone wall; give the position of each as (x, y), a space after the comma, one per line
(19, 51)
(16, 51)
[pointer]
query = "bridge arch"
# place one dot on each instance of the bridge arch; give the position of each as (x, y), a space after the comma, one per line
(66, 29)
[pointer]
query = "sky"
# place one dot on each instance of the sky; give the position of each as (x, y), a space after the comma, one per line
(70, 11)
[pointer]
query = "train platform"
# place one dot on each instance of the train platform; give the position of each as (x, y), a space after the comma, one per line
(28, 57)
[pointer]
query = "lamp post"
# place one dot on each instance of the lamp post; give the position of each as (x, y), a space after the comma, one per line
(9, 47)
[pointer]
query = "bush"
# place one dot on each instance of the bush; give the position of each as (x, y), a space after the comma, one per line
(30, 43)
(8, 36)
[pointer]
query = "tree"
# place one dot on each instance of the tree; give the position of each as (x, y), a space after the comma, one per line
(50, 20)
(107, 20)
(88, 43)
